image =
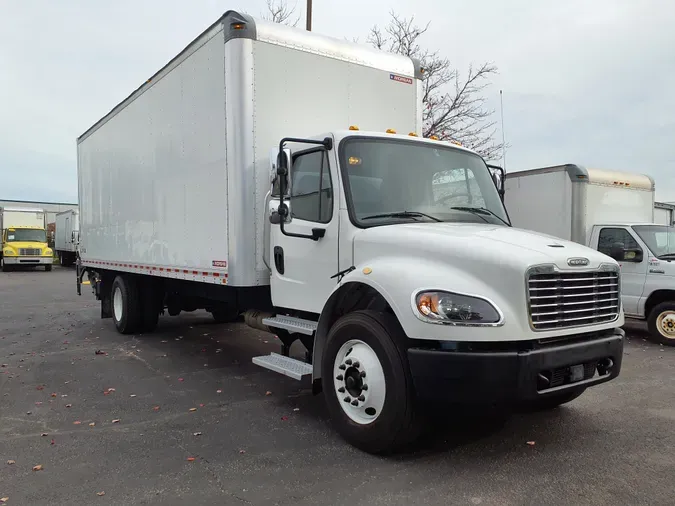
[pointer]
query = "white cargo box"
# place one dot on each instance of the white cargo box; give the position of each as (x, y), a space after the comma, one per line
(67, 226)
(21, 217)
(566, 201)
(172, 182)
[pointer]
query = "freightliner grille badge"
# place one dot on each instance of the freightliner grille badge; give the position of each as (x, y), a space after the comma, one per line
(577, 262)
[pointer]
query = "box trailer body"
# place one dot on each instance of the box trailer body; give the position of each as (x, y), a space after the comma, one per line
(282, 175)
(664, 214)
(615, 213)
(67, 236)
(24, 238)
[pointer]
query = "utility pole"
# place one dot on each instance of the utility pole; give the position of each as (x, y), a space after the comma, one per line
(309, 15)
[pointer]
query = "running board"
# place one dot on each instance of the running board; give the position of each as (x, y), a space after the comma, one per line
(287, 366)
(292, 324)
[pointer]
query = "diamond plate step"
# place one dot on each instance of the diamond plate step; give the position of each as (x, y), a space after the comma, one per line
(292, 324)
(284, 365)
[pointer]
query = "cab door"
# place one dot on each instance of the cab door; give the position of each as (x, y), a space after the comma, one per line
(302, 268)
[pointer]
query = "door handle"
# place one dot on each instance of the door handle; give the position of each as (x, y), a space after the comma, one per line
(279, 259)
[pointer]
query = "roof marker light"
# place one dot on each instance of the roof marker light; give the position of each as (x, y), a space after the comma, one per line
(353, 127)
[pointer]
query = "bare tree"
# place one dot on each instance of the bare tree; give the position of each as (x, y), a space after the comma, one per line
(278, 11)
(454, 105)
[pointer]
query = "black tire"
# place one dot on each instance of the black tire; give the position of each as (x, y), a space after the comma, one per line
(658, 332)
(553, 401)
(225, 314)
(128, 321)
(48, 268)
(150, 305)
(398, 422)
(5, 267)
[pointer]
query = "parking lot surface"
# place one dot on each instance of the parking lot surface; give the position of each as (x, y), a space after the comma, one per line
(182, 416)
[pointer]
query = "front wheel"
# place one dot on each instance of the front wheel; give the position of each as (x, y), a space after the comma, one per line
(661, 323)
(5, 267)
(48, 268)
(367, 382)
(125, 305)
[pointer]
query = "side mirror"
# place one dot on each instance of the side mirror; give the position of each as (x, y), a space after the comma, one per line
(498, 176)
(283, 172)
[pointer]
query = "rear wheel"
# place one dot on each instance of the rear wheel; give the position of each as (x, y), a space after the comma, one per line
(226, 313)
(125, 304)
(151, 305)
(661, 323)
(367, 383)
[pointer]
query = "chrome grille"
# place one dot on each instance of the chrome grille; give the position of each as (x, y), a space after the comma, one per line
(30, 251)
(573, 299)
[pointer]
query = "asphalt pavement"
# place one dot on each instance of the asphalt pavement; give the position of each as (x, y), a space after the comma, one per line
(182, 416)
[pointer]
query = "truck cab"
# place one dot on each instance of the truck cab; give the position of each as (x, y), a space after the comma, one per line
(646, 253)
(24, 239)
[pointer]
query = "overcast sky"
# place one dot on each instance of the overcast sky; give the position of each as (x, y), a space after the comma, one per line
(585, 81)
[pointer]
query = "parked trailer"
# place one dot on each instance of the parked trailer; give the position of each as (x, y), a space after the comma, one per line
(352, 241)
(67, 236)
(24, 238)
(613, 212)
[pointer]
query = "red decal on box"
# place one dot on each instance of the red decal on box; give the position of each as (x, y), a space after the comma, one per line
(400, 79)
(219, 263)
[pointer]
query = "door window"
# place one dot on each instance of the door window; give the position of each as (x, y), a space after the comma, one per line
(611, 236)
(311, 188)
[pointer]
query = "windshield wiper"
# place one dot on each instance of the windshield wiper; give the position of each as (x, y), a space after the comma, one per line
(479, 211)
(402, 214)
(666, 256)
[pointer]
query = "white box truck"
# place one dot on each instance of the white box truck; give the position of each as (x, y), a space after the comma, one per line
(612, 212)
(664, 214)
(24, 238)
(67, 236)
(388, 256)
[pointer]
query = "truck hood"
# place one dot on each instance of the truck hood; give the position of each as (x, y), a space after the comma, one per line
(474, 245)
(17, 245)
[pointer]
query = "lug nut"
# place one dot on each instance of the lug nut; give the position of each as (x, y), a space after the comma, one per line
(347, 399)
(364, 387)
(348, 361)
(341, 390)
(357, 364)
(355, 403)
(342, 367)
(363, 374)
(339, 377)
(362, 398)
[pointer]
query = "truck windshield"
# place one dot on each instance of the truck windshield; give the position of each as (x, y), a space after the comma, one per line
(402, 181)
(660, 239)
(26, 235)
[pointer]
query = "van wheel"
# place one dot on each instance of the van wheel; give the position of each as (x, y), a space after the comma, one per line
(368, 387)
(125, 304)
(661, 323)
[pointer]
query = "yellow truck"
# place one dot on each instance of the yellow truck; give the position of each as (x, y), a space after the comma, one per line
(24, 238)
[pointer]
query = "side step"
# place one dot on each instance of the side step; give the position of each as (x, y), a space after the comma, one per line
(284, 365)
(292, 324)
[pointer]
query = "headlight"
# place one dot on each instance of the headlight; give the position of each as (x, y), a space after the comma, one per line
(47, 252)
(455, 309)
(9, 252)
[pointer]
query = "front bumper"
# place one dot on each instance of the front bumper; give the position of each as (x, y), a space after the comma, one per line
(26, 260)
(512, 377)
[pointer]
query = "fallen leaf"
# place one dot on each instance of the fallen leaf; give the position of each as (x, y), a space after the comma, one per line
(268, 393)
(11, 462)
(111, 390)
(116, 420)
(180, 379)
(242, 451)
(53, 442)
(193, 409)
(132, 395)
(4, 365)
(284, 418)
(77, 422)
(100, 494)
(37, 468)
(4, 499)
(156, 408)
(92, 424)
(99, 352)
(64, 395)
(44, 434)
(219, 391)
(531, 443)
(190, 459)
(201, 405)
(296, 409)
(53, 394)
(29, 412)
(69, 405)
(203, 350)
(38, 403)
(197, 434)
(164, 341)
